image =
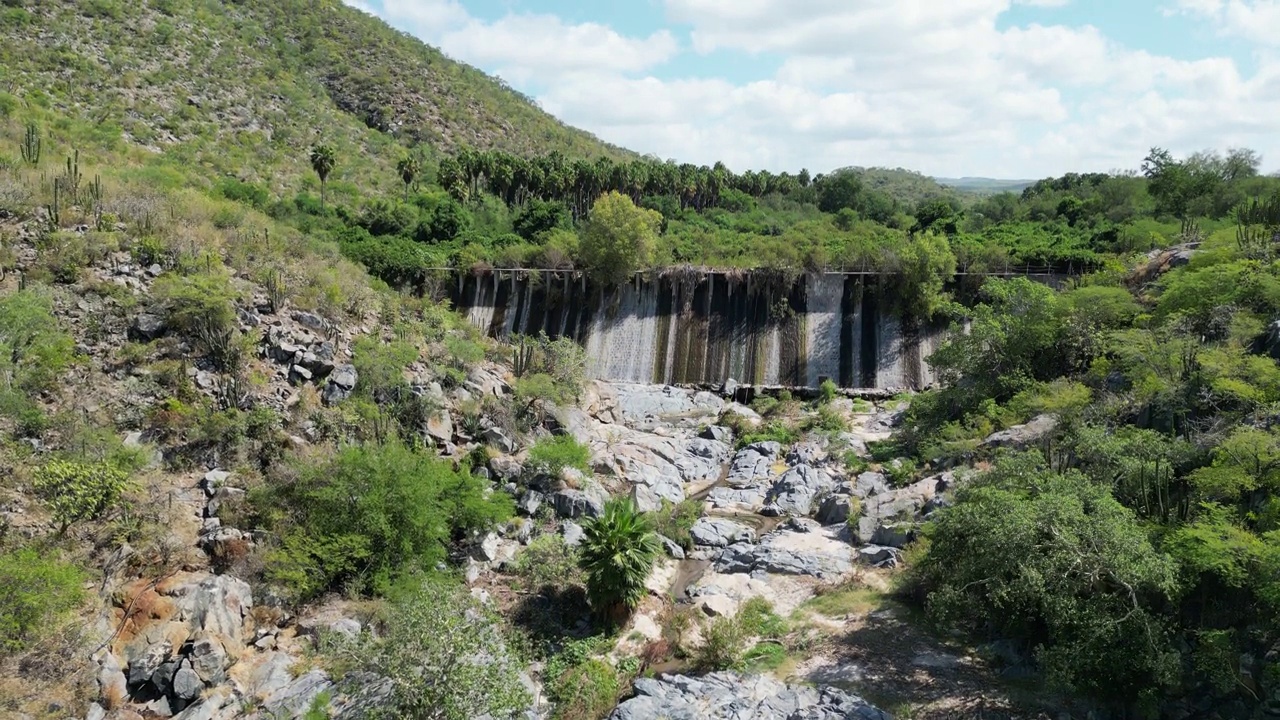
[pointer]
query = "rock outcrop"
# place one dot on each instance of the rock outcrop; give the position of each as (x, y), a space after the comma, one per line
(730, 696)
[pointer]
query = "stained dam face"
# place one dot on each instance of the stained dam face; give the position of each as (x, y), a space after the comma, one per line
(695, 328)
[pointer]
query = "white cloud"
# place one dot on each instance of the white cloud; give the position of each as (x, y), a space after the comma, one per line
(935, 85)
(1257, 21)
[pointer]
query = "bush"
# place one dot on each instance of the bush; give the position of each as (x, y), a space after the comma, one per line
(444, 655)
(34, 591)
(674, 521)
(548, 562)
(202, 306)
(827, 391)
(34, 350)
(776, 431)
(365, 517)
(551, 455)
(1088, 600)
(758, 618)
(587, 691)
(724, 642)
(77, 491)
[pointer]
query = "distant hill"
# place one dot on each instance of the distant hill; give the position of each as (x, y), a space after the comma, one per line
(906, 186)
(984, 186)
(245, 88)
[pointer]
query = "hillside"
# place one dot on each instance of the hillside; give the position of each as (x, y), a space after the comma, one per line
(984, 186)
(245, 88)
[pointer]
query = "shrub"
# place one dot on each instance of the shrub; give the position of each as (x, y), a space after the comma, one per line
(548, 562)
(723, 643)
(758, 618)
(1088, 599)
(76, 491)
(776, 431)
(765, 656)
(618, 551)
(202, 307)
(827, 391)
(34, 350)
(444, 656)
(35, 590)
(367, 516)
(586, 691)
(674, 521)
(900, 471)
(551, 455)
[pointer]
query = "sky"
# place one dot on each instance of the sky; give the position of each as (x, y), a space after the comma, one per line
(951, 88)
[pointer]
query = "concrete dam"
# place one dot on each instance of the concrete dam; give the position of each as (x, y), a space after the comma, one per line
(695, 327)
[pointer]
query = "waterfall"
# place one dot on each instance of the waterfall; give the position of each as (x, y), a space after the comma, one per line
(707, 328)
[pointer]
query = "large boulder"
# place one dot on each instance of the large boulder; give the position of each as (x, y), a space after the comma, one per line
(823, 554)
(730, 696)
(571, 503)
(835, 510)
(1022, 436)
(795, 492)
(216, 605)
(342, 382)
(147, 327)
(719, 532)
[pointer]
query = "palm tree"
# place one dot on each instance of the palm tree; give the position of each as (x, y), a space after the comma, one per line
(619, 549)
(322, 161)
(408, 168)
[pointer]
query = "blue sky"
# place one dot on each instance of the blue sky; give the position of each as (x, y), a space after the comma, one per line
(1002, 88)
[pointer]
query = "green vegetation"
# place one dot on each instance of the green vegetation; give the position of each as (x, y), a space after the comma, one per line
(618, 551)
(675, 520)
(548, 562)
(34, 351)
(724, 644)
(618, 239)
(551, 455)
(445, 656)
(76, 491)
(368, 516)
(36, 589)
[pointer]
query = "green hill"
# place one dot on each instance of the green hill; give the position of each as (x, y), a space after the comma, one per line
(245, 88)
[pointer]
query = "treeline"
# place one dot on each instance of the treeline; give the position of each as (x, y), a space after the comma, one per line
(478, 210)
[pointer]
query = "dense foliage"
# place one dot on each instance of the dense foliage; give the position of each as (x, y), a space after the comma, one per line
(444, 655)
(1137, 559)
(619, 549)
(369, 515)
(35, 590)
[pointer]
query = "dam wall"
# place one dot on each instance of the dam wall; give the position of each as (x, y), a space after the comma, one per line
(687, 327)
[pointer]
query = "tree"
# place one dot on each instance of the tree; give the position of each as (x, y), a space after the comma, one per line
(444, 656)
(323, 161)
(618, 551)
(35, 590)
(372, 513)
(408, 168)
(619, 238)
(76, 491)
(1055, 563)
(1012, 341)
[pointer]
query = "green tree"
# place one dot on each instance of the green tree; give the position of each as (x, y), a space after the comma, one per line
(323, 160)
(367, 516)
(445, 657)
(1012, 341)
(76, 491)
(408, 168)
(34, 350)
(35, 590)
(1056, 563)
(618, 551)
(619, 238)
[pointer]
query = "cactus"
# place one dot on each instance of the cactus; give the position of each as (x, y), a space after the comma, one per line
(54, 209)
(273, 281)
(95, 194)
(71, 180)
(522, 356)
(31, 145)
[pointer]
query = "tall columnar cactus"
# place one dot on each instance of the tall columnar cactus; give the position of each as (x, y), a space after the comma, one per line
(31, 145)
(71, 180)
(54, 209)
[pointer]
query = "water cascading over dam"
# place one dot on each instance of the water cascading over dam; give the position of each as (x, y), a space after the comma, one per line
(709, 327)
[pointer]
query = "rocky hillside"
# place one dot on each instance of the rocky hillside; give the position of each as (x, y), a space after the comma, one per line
(274, 77)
